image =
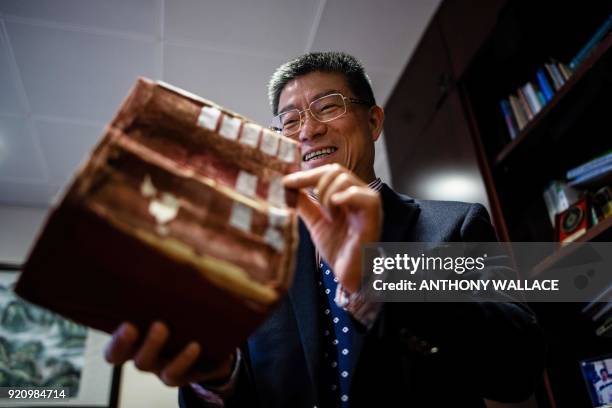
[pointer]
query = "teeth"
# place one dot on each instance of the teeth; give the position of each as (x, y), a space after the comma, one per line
(320, 152)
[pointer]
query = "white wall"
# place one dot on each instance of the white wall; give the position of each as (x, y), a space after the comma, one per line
(18, 228)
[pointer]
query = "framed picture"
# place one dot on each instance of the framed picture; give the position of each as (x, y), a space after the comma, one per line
(41, 349)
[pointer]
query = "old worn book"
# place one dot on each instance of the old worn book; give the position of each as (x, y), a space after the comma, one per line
(179, 214)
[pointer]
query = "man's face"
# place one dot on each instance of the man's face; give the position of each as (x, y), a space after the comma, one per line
(350, 138)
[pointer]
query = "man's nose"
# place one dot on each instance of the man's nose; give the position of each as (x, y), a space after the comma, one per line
(311, 127)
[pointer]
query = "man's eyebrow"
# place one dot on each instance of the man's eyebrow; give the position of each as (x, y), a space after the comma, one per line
(315, 97)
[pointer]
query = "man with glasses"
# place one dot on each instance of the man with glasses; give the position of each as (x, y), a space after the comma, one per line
(326, 345)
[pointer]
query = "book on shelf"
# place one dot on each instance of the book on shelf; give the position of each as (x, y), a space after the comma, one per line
(510, 121)
(519, 113)
(590, 165)
(555, 74)
(594, 178)
(532, 98)
(544, 85)
(525, 104)
(558, 196)
(566, 72)
(588, 48)
(541, 98)
(602, 201)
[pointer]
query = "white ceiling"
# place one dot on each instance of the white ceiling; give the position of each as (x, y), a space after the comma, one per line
(65, 65)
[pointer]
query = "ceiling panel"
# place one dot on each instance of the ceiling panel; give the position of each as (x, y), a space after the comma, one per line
(237, 82)
(36, 194)
(380, 33)
(76, 74)
(134, 16)
(268, 27)
(65, 145)
(19, 155)
(9, 99)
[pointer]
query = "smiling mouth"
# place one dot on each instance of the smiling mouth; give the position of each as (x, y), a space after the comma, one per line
(317, 154)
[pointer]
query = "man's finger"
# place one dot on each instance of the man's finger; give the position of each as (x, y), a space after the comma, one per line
(307, 178)
(309, 210)
(122, 345)
(340, 182)
(356, 197)
(147, 358)
(175, 373)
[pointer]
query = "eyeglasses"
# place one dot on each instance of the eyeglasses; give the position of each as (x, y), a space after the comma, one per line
(324, 109)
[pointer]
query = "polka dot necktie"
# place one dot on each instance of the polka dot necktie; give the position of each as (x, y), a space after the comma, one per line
(337, 339)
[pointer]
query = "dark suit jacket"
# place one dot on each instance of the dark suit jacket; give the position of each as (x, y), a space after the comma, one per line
(485, 350)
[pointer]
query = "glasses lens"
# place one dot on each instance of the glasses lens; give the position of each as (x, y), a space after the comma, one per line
(288, 122)
(328, 107)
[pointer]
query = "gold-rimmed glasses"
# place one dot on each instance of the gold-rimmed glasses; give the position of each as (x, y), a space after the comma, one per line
(323, 109)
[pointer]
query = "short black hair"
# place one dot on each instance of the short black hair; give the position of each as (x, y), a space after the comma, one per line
(330, 61)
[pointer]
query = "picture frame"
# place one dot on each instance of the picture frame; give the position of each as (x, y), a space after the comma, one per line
(39, 348)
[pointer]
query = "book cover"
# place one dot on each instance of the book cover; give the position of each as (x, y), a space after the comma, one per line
(590, 165)
(519, 113)
(544, 85)
(510, 123)
(586, 50)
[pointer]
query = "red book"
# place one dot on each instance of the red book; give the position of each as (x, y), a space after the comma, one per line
(177, 215)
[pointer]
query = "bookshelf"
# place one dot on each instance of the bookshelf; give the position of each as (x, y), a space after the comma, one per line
(502, 45)
(574, 81)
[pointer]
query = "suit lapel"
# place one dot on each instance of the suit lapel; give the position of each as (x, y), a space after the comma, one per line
(303, 296)
(400, 213)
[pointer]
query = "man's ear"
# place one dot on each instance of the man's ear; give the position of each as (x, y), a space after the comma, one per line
(376, 119)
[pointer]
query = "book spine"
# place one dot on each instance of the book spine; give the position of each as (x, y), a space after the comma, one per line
(525, 105)
(565, 71)
(519, 113)
(532, 98)
(541, 98)
(551, 204)
(588, 166)
(591, 44)
(591, 175)
(552, 76)
(557, 74)
(506, 110)
(562, 201)
(544, 85)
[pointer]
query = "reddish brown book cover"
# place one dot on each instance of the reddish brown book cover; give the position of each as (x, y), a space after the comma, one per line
(177, 215)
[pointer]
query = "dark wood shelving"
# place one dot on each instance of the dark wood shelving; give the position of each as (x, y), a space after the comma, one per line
(430, 121)
(597, 233)
(583, 69)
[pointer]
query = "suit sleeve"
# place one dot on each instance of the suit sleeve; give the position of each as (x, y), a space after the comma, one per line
(240, 394)
(479, 338)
